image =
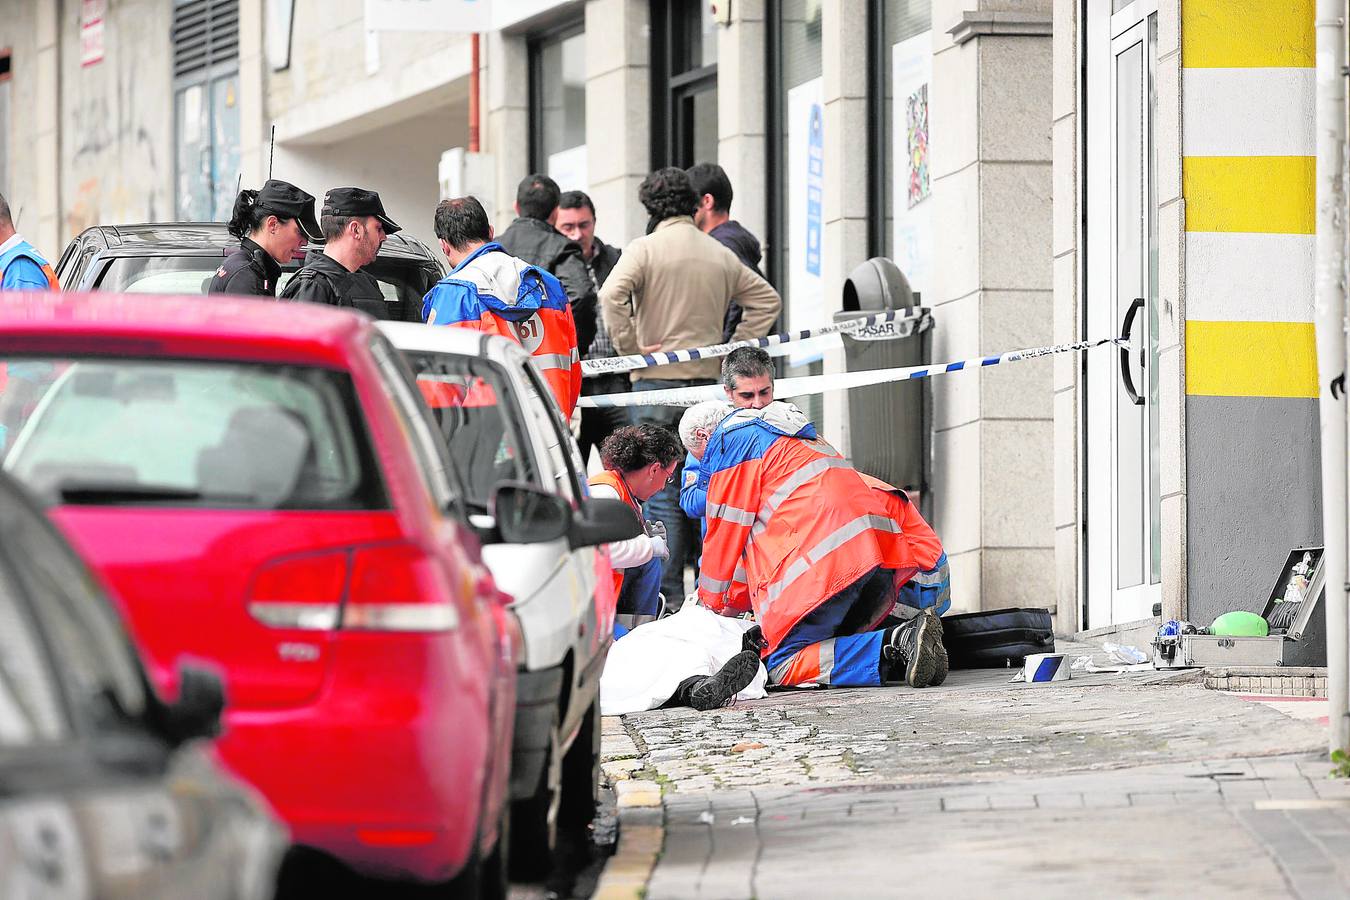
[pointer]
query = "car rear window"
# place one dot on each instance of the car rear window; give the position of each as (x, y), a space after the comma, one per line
(97, 431)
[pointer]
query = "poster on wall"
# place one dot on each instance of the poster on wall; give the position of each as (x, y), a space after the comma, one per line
(805, 300)
(912, 188)
(92, 14)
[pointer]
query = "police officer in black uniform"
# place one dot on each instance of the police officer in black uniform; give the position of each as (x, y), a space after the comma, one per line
(271, 225)
(354, 226)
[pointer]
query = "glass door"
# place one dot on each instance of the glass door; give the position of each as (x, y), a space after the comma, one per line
(1123, 514)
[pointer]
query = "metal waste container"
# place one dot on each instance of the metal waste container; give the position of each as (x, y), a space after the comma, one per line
(889, 424)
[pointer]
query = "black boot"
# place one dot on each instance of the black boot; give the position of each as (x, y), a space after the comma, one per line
(718, 690)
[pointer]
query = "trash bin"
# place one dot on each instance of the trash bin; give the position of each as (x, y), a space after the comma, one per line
(888, 423)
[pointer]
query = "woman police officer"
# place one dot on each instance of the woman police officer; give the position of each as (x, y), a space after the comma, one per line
(271, 225)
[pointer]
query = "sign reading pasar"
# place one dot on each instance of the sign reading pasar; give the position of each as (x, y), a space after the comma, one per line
(429, 15)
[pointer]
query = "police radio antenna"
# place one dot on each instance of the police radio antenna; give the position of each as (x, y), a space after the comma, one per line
(271, 149)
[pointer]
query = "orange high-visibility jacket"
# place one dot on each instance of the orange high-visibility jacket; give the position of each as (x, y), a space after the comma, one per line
(493, 291)
(924, 545)
(805, 522)
(612, 479)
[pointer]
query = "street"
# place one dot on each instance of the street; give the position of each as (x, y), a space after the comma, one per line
(1120, 785)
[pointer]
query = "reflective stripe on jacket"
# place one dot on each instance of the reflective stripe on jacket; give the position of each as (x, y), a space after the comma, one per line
(612, 479)
(803, 519)
(24, 250)
(494, 292)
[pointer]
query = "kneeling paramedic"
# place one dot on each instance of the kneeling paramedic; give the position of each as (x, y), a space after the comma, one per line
(490, 290)
(639, 460)
(820, 559)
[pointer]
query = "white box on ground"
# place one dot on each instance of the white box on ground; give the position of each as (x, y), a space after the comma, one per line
(1043, 667)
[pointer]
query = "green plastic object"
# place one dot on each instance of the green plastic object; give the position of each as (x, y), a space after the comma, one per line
(1240, 624)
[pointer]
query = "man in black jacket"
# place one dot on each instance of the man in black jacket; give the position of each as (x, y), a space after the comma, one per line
(576, 220)
(533, 238)
(713, 218)
(354, 226)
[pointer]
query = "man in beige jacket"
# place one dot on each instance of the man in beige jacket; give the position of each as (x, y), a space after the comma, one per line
(670, 291)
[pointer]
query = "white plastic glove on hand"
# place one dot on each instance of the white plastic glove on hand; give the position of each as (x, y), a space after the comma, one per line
(659, 548)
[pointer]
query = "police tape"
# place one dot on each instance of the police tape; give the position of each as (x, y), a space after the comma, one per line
(896, 323)
(819, 384)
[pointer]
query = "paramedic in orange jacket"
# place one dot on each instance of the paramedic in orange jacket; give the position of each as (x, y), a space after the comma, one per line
(639, 460)
(490, 290)
(822, 557)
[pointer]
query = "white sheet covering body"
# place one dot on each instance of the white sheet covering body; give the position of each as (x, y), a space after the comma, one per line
(646, 665)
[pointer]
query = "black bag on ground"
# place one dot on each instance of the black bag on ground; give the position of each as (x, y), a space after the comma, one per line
(996, 638)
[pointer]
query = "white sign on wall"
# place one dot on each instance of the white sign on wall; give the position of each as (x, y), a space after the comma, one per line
(429, 15)
(911, 197)
(568, 168)
(805, 298)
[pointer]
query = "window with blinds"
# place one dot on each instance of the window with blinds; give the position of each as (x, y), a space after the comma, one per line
(206, 108)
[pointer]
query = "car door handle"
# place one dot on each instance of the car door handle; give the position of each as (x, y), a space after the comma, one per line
(1125, 330)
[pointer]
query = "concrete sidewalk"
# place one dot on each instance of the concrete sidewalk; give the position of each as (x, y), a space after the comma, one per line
(1103, 785)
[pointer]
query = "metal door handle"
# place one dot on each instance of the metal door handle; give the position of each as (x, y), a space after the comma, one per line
(1125, 330)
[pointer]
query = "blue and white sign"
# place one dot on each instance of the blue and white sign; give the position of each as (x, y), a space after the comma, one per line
(804, 295)
(815, 187)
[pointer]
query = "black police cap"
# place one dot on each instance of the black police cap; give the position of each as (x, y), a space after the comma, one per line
(355, 202)
(285, 200)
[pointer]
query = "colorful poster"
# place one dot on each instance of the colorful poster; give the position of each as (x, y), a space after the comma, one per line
(911, 180)
(804, 298)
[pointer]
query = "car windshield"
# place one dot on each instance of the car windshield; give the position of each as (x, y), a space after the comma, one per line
(98, 431)
(474, 410)
(401, 283)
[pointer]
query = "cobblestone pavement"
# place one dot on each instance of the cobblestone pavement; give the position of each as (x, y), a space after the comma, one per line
(1103, 785)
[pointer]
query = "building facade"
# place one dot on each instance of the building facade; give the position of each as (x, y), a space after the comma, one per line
(1042, 172)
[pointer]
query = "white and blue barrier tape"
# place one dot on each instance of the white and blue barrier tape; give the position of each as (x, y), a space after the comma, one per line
(896, 323)
(819, 384)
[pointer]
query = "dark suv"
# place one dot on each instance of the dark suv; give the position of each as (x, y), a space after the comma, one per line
(181, 258)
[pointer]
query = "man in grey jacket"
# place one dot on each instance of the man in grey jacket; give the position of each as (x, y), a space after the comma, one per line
(681, 282)
(533, 238)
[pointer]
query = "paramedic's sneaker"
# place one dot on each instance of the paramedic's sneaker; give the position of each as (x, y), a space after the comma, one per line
(912, 650)
(940, 670)
(718, 690)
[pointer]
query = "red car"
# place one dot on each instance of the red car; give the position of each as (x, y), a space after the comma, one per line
(259, 485)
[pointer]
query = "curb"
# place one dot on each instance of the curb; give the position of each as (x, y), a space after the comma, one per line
(641, 818)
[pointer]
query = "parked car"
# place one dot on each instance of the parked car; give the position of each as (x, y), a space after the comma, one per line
(500, 425)
(263, 489)
(180, 258)
(107, 791)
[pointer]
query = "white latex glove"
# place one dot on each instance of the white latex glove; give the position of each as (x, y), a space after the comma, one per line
(655, 528)
(659, 548)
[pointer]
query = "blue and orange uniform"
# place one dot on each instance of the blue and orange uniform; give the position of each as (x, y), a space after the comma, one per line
(495, 292)
(931, 586)
(818, 554)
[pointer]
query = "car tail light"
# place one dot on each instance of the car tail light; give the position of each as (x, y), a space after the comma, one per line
(397, 587)
(300, 591)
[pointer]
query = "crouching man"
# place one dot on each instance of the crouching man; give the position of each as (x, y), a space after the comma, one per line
(796, 535)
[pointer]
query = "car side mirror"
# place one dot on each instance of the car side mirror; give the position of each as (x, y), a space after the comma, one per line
(602, 521)
(197, 711)
(524, 514)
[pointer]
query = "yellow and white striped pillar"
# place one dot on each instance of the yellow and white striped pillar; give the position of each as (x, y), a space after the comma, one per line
(1252, 467)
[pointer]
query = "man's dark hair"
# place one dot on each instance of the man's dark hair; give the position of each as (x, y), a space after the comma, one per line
(576, 200)
(5, 215)
(461, 221)
(667, 193)
(710, 178)
(745, 362)
(537, 196)
(333, 226)
(633, 447)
